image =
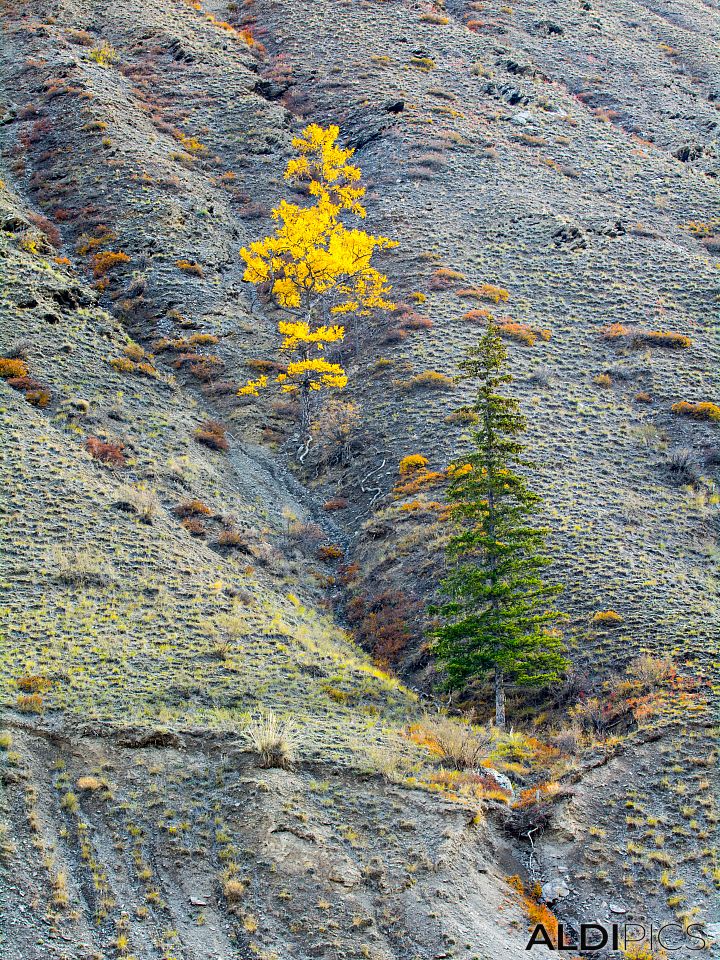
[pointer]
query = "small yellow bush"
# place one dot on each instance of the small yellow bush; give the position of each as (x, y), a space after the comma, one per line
(412, 463)
(608, 618)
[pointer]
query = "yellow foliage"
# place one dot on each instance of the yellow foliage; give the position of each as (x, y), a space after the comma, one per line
(315, 373)
(296, 333)
(314, 266)
(411, 463)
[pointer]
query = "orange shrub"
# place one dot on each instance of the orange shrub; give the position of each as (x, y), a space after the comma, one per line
(212, 434)
(38, 398)
(335, 503)
(10, 368)
(518, 331)
(703, 410)
(192, 508)
(34, 684)
(615, 331)
(444, 279)
(30, 703)
(330, 552)
(194, 527)
(189, 267)
(110, 454)
(489, 291)
(106, 260)
(480, 315)
(658, 338)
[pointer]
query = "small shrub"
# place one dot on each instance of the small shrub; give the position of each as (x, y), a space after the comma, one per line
(607, 618)
(111, 454)
(657, 338)
(330, 552)
(233, 539)
(90, 784)
(568, 740)
(11, 368)
(518, 331)
(445, 279)
(140, 501)
(30, 703)
(212, 434)
(188, 266)
(80, 567)
(233, 889)
(682, 465)
(107, 260)
(104, 54)
(412, 463)
(423, 63)
(457, 744)
(481, 315)
(703, 410)
(489, 291)
(603, 380)
(192, 508)
(652, 671)
(427, 380)
(273, 739)
(335, 503)
(34, 684)
(615, 331)
(618, 332)
(70, 802)
(38, 398)
(196, 528)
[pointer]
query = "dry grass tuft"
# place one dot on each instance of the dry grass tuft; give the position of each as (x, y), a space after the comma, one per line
(274, 739)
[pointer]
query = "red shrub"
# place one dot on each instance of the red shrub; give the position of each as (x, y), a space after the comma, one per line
(212, 434)
(107, 453)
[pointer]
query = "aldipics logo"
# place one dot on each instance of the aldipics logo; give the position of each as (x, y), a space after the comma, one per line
(631, 935)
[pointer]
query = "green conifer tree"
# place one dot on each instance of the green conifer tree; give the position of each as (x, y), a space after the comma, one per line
(497, 616)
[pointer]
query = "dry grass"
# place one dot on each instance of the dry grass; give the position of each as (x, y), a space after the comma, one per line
(139, 500)
(274, 739)
(85, 567)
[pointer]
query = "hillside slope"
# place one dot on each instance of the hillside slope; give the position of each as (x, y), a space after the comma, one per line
(160, 590)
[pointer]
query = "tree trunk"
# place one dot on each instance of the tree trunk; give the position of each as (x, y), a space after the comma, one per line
(499, 699)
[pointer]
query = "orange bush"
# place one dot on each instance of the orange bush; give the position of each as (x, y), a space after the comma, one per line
(30, 703)
(188, 266)
(537, 912)
(110, 454)
(335, 503)
(34, 684)
(615, 331)
(10, 368)
(192, 508)
(698, 411)
(444, 279)
(481, 315)
(212, 434)
(106, 260)
(330, 552)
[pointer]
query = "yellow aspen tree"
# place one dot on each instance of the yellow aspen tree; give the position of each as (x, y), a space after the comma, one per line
(317, 269)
